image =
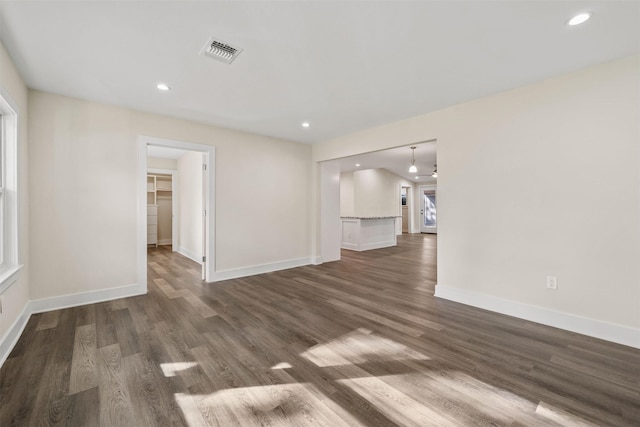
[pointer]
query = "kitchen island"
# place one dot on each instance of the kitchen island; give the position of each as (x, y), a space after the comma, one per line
(365, 233)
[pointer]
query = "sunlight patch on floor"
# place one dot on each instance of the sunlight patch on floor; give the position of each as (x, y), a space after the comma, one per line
(453, 398)
(396, 405)
(170, 369)
(358, 347)
(282, 404)
(282, 365)
(561, 417)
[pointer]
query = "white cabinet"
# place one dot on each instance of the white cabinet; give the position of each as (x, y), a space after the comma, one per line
(152, 225)
(365, 233)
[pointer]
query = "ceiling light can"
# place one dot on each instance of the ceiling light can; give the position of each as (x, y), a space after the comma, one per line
(580, 18)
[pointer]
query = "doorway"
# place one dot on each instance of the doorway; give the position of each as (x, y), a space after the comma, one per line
(203, 232)
(428, 212)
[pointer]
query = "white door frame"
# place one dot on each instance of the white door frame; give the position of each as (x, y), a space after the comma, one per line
(421, 189)
(209, 250)
(174, 203)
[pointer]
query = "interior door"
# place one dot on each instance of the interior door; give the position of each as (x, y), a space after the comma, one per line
(428, 211)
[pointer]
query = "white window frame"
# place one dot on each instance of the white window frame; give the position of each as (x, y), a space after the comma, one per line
(9, 255)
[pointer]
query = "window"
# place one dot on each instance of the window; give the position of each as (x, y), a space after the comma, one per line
(9, 265)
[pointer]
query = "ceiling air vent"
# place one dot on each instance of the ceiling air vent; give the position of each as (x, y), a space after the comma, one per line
(222, 51)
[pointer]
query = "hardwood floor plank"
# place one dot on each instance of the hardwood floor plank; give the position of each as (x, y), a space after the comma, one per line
(84, 369)
(125, 332)
(115, 400)
(201, 308)
(48, 320)
(84, 408)
(147, 401)
(105, 329)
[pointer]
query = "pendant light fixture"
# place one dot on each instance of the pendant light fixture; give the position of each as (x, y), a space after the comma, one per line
(413, 168)
(435, 171)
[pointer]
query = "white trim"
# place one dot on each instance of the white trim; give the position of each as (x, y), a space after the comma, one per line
(594, 328)
(8, 277)
(260, 269)
(42, 305)
(83, 298)
(163, 242)
(317, 260)
(187, 253)
(11, 337)
(350, 246)
(11, 187)
(377, 245)
(141, 235)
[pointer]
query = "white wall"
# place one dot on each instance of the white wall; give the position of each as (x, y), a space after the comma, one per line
(190, 205)
(83, 165)
(14, 299)
(377, 192)
(330, 226)
(346, 194)
(540, 180)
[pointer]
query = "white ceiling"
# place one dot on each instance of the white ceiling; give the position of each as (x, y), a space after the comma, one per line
(342, 65)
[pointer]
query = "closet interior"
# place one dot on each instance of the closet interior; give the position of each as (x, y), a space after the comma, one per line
(159, 209)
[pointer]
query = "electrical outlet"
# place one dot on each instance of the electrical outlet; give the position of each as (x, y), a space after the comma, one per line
(552, 283)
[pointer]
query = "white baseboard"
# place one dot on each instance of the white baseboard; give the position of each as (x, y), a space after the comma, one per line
(368, 246)
(190, 255)
(316, 260)
(350, 246)
(165, 242)
(82, 298)
(12, 336)
(259, 269)
(58, 303)
(582, 325)
(377, 245)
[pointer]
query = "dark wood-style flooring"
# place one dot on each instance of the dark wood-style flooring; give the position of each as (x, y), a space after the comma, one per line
(356, 342)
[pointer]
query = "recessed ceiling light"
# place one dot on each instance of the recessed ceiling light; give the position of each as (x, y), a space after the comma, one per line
(163, 87)
(306, 124)
(579, 19)
(417, 177)
(357, 165)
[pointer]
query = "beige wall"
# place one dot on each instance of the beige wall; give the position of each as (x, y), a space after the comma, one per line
(377, 192)
(16, 297)
(83, 166)
(541, 180)
(371, 192)
(161, 163)
(190, 205)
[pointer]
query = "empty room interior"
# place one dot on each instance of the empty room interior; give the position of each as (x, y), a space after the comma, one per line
(376, 213)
